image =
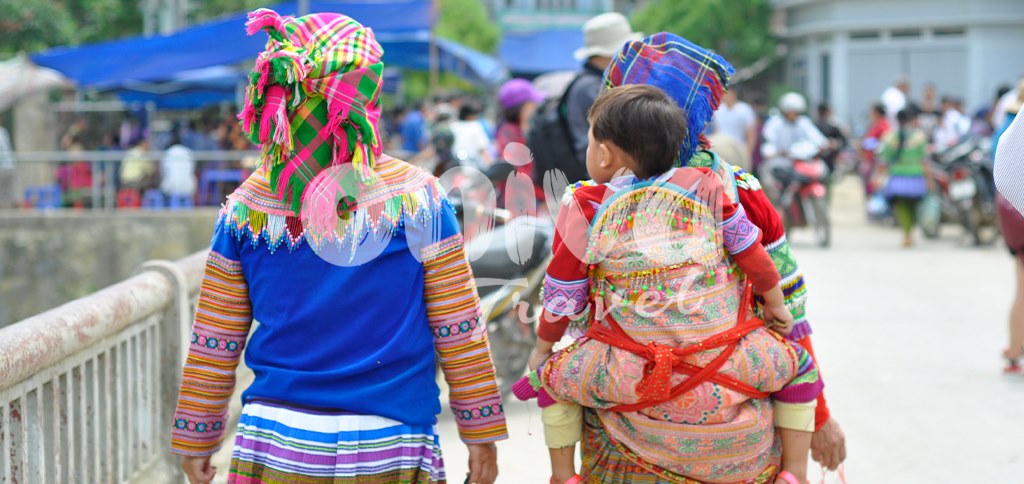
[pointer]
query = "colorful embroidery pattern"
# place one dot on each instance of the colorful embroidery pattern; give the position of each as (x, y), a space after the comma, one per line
(738, 232)
(451, 299)
(402, 195)
(223, 318)
(793, 287)
(565, 298)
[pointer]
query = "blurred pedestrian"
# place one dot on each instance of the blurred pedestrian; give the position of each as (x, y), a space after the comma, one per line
(904, 153)
(8, 199)
(931, 113)
(952, 126)
(829, 126)
(471, 140)
(75, 177)
(736, 119)
(603, 37)
(869, 146)
(519, 100)
(178, 170)
(998, 117)
(137, 168)
(782, 132)
(333, 402)
(1009, 161)
(414, 130)
(895, 97)
(1008, 145)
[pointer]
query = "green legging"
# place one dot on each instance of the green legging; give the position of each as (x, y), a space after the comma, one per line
(905, 210)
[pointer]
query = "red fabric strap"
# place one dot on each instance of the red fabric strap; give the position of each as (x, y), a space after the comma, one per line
(655, 387)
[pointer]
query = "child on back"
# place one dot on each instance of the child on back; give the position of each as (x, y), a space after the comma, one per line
(653, 262)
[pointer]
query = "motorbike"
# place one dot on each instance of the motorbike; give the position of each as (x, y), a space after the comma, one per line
(510, 282)
(509, 257)
(963, 175)
(803, 192)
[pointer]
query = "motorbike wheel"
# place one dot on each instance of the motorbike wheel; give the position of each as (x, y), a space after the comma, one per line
(511, 344)
(816, 210)
(979, 229)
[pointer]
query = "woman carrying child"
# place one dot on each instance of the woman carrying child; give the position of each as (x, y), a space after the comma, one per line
(653, 262)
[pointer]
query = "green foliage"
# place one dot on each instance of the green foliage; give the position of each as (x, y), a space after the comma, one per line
(98, 20)
(466, 22)
(739, 30)
(208, 9)
(33, 25)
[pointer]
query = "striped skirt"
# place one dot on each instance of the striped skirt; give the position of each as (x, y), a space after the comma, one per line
(279, 444)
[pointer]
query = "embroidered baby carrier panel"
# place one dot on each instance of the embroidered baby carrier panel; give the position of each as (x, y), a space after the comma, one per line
(657, 264)
(402, 195)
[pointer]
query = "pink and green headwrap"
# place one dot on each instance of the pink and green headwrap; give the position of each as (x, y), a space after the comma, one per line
(313, 99)
(693, 76)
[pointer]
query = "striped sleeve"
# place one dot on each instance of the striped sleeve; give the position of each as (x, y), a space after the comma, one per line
(460, 338)
(223, 318)
(1009, 170)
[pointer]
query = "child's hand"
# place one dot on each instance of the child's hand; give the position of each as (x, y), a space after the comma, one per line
(537, 358)
(778, 318)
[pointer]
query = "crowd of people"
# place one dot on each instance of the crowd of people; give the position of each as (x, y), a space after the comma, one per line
(172, 173)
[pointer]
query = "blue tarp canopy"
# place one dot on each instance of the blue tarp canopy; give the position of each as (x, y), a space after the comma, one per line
(540, 51)
(402, 27)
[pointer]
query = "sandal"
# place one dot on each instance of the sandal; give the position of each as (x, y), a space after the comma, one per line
(788, 477)
(1012, 366)
(572, 480)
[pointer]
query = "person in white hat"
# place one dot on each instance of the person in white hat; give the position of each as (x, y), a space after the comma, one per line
(603, 37)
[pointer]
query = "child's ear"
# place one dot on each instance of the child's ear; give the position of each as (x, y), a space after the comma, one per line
(605, 155)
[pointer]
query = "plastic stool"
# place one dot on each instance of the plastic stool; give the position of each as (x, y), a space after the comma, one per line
(178, 202)
(128, 198)
(43, 197)
(153, 199)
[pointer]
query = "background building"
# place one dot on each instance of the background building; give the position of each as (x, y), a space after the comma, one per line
(847, 52)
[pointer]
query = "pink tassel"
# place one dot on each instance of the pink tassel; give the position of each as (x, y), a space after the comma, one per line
(273, 109)
(282, 131)
(264, 18)
(263, 66)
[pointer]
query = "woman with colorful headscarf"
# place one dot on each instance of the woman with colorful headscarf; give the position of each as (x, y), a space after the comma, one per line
(353, 264)
(696, 78)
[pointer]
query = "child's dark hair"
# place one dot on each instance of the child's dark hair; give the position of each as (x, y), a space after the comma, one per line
(644, 122)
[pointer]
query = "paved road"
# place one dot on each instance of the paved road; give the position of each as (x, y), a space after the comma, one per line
(909, 342)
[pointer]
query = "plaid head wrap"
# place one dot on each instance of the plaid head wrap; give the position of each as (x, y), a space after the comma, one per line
(313, 99)
(692, 75)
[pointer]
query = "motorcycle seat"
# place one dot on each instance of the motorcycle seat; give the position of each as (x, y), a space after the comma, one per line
(786, 176)
(527, 239)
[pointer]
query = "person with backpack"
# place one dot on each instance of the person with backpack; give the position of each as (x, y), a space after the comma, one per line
(558, 136)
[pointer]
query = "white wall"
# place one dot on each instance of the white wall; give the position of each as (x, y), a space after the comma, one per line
(969, 65)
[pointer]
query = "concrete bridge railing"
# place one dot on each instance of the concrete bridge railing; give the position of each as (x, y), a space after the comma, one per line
(88, 389)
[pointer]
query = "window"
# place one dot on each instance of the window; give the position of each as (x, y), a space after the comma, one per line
(949, 32)
(905, 34)
(865, 35)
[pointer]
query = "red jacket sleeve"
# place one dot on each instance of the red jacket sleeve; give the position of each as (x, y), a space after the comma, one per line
(567, 281)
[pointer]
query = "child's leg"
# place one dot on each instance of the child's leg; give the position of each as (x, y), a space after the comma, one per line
(796, 444)
(563, 427)
(794, 413)
(1017, 312)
